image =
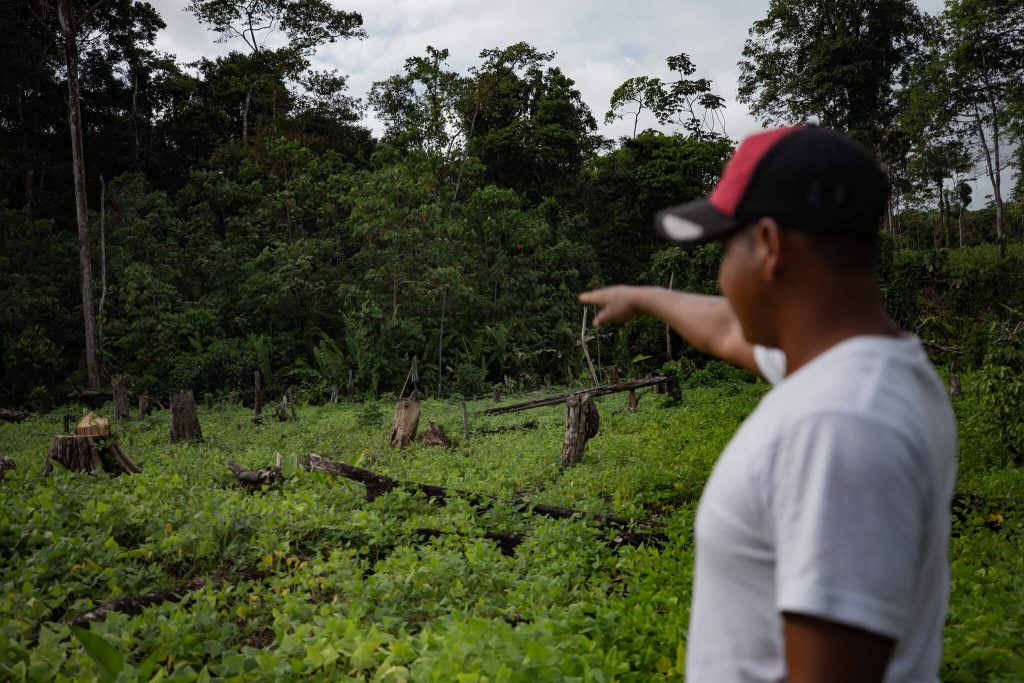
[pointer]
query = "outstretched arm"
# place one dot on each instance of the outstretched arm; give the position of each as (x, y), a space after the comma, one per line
(707, 322)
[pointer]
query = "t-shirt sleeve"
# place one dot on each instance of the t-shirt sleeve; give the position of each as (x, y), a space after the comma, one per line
(771, 363)
(848, 504)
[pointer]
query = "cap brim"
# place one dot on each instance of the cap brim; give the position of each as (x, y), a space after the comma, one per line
(694, 223)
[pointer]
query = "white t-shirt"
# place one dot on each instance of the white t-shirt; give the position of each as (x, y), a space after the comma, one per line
(832, 500)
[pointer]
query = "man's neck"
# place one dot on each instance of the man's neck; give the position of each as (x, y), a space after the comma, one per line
(815, 322)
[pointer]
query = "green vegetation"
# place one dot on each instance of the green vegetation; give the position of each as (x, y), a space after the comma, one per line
(309, 581)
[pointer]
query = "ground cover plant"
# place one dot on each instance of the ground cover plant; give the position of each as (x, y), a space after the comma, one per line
(309, 581)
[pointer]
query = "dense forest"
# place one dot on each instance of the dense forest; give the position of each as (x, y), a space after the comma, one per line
(184, 224)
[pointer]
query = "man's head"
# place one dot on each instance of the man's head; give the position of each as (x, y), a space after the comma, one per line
(798, 211)
(807, 178)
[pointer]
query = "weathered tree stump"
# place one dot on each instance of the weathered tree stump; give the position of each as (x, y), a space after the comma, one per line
(407, 421)
(144, 408)
(6, 465)
(184, 418)
(120, 388)
(496, 396)
(633, 401)
(435, 436)
(672, 389)
(581, 424)
(91, 448)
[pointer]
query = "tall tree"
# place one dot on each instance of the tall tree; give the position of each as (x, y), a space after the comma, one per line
(839, 62)
(306, 24)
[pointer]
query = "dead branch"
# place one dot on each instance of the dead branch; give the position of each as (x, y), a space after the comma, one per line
(597, 391)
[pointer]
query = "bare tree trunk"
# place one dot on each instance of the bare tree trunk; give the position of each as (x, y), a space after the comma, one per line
(245, 113)
(258, 392)
(143, 406)
(992, 166)
(69, 27)
(184, 418)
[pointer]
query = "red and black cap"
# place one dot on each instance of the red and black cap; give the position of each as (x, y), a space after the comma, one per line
(805, 177)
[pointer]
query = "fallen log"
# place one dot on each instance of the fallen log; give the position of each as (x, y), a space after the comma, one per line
(507, 542)
(532, 424)
(257, 478)
(596, 391)
(135, 604)
(378, 484)
(13, 415)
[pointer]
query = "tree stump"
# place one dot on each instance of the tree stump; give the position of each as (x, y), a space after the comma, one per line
(672, 388)
(91, 448)
(407, 421)
(184, 418)
(144, 408)
(581, 424)
(633, 401)
(120, 389)
(435, 436)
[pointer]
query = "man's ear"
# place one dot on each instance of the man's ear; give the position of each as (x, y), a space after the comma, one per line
(769, 246)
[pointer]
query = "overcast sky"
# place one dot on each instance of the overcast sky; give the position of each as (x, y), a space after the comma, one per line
(598, 43)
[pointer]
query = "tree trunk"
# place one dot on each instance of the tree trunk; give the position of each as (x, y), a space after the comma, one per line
(258, 393)
(586, 351)
(143, 406)
(120, 388)
(993, 174)
(581, 424)
(69, 28)
(184, 418)
(633, 401)
(351, 388)
(245, 113)
(407, 421)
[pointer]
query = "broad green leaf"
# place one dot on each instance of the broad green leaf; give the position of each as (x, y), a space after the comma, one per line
(106, 656)
(290, 465)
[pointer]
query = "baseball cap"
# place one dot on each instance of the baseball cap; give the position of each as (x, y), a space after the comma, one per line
(805, 177)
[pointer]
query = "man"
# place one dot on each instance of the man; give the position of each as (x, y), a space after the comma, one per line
(822, 533)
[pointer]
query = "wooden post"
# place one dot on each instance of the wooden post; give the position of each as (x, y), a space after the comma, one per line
(407, 421)
(184, 418)
(351, 386)
(586, 351)
(633, 401)
(465, 421)
(143, 406)
(120, 389)
(581, 424)
(258, 392)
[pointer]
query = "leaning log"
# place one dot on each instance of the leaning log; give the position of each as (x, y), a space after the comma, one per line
(184, 418)
(378, 484)
(407, 420)
(581, 425)
(595, 392)
(13, 415)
